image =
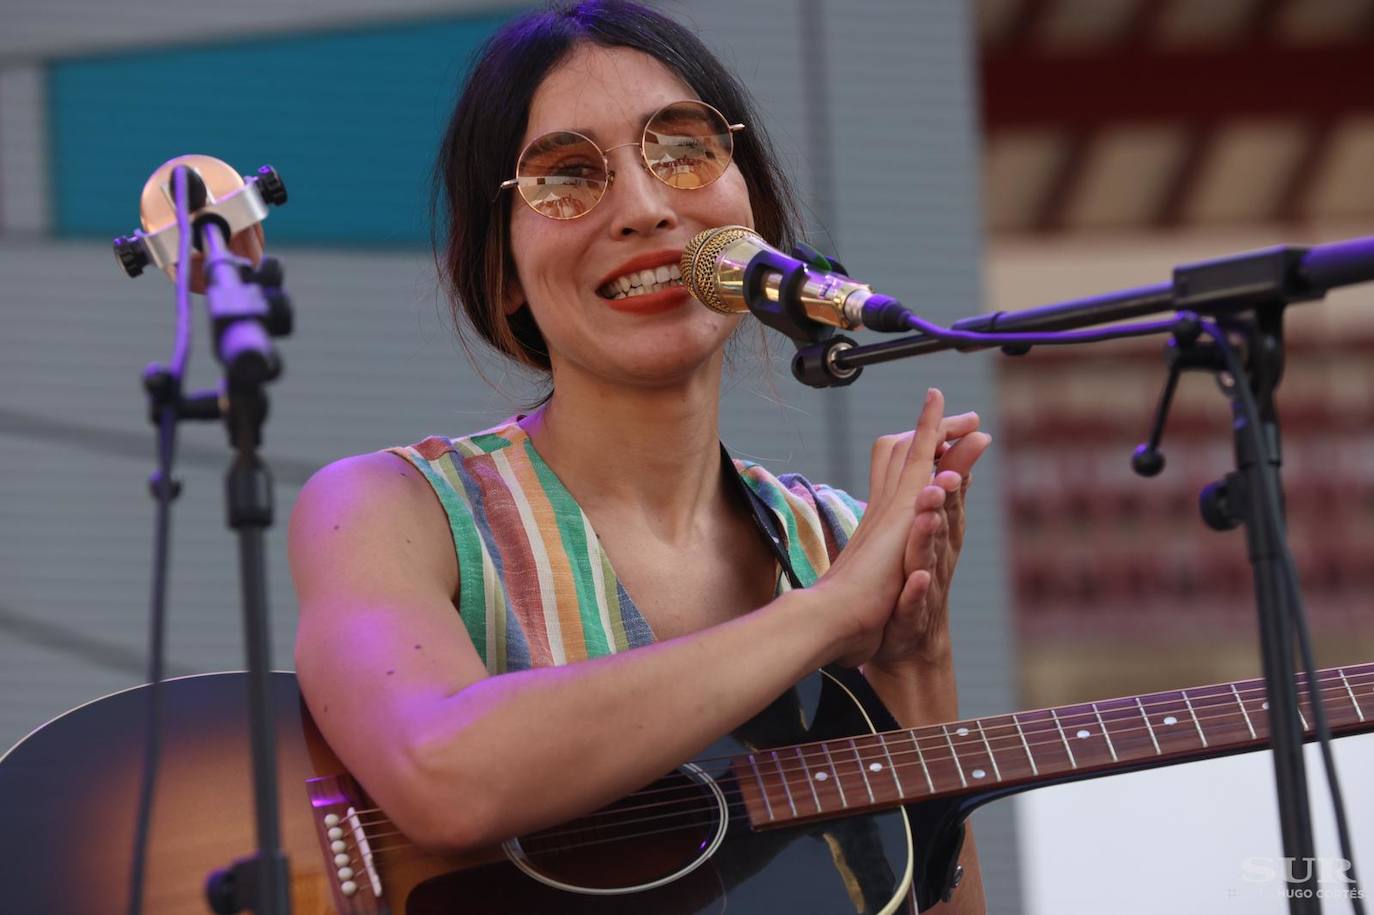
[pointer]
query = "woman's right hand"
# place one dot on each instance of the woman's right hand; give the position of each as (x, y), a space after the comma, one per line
(863, 585)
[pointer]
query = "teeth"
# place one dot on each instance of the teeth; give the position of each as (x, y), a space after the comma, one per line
(642, 281)
(645, 290)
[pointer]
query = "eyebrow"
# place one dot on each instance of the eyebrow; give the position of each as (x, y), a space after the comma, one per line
(592, 134)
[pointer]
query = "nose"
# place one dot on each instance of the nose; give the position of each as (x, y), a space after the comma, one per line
(641, 204)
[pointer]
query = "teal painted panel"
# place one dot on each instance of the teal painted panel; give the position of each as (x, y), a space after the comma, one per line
(351, 120)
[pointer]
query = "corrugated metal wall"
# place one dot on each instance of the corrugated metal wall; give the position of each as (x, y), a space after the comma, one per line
(873, 105)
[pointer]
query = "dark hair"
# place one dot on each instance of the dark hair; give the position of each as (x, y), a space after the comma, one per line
(482, 142)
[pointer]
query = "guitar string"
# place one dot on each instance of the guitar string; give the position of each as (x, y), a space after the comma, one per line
(413, 849)
(874, 744)
(713, 806)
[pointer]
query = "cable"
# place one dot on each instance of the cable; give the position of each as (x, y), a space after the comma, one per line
(1297, 614)
(163, 490)
(893, 312)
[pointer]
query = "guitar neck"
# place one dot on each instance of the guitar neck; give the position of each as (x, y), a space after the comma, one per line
(790, 785)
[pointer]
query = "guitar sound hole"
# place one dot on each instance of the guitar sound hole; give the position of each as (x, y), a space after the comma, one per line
(652, 837)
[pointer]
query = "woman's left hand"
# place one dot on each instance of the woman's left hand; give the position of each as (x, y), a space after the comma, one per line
(918, 631)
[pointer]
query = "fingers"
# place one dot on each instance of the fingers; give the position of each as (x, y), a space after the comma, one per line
(896, 460)
(956, 472)
(961, 424)
(924, 441)
(926, 530)
(954, 518)
(913, 592)
(963, 454)
(930, 498)
(880, 469)
(951, 443)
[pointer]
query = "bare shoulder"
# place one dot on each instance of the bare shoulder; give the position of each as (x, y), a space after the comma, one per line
(379, 641)
(376, 578)
(369, 517)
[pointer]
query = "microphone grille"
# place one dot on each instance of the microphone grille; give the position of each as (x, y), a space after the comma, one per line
(698, 264)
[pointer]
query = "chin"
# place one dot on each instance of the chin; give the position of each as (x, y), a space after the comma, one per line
(669, 358)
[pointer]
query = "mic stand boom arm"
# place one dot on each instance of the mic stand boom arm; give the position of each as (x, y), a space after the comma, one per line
(1216, 287)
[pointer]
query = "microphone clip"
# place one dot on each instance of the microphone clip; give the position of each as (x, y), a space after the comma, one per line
(817, 344)
(218, 192)
(783, 311)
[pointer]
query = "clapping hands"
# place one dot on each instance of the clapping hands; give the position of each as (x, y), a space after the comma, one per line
(894, 576)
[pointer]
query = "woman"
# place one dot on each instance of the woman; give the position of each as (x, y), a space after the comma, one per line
(410, 598)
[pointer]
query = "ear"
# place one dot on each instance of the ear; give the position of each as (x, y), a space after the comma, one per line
(512, 297)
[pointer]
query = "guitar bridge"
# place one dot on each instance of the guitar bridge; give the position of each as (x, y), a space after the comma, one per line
(337, 805)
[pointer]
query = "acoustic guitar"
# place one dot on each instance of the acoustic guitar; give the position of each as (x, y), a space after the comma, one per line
(803, 809)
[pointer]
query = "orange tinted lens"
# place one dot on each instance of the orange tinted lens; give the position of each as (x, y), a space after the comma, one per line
(688, 145)
(562, 175)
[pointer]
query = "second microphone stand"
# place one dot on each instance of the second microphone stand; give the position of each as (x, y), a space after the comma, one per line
(1244, 297)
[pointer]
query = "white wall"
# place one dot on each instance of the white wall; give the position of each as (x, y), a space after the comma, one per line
(1178, 839)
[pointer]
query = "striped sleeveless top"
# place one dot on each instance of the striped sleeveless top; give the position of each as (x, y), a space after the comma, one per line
(535, 586)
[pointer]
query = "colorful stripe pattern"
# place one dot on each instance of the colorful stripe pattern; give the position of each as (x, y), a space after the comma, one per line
(535, 586)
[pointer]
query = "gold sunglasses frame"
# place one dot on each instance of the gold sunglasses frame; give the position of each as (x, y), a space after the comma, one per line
(606, 162)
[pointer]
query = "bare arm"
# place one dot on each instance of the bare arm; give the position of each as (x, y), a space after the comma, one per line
(458, 758)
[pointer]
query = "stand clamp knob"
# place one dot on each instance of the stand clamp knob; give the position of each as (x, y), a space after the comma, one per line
(270, 186)
(132, 254)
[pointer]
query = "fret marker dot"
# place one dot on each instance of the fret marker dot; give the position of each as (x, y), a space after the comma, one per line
(1085, 733)
(962, 732)
(875, 767)
(821, 776)
(978, 773)
(1264, 705)
(1170, 719)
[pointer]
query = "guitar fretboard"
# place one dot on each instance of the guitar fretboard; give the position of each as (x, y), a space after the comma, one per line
(788, 785)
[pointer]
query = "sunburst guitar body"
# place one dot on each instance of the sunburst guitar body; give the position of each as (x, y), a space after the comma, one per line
(683, 845)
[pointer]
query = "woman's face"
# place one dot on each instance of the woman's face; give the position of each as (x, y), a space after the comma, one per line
(562, 265)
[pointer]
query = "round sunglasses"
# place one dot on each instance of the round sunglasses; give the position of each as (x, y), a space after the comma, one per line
(563, 174)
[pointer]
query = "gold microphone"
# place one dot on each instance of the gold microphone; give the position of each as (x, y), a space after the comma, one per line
(713, 270)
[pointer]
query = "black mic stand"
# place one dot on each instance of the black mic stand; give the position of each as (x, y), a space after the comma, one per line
(1240, 498)
(1247, 295)
(245, 317)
